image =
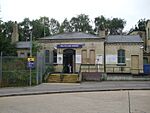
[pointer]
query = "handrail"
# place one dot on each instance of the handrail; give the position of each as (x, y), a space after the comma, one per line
(91, 67)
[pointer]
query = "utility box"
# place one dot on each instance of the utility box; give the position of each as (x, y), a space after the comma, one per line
(146, 68)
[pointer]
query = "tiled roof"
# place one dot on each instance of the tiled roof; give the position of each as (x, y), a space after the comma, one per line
(71, 35)
(123, 38)
(23, 44)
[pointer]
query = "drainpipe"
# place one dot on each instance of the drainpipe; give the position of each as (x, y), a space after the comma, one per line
(105, 56)
(1, 66)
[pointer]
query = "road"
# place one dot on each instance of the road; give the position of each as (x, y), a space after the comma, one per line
(132, 101)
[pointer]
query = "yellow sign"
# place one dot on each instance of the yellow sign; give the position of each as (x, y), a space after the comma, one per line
(30, 59)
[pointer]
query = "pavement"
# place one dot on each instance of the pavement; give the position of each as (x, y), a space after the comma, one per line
(51, 88)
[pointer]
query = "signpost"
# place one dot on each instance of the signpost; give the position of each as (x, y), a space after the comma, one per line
(31, 65)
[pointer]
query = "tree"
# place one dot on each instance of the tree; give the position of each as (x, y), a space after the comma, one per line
(101, 23)
(7, 29)
(40, 27)
(5, 42)
(54, 26)
(75, 24)
(142, 25)
(37, 31)
(65, 27)
(114, 26)
(24, 29)
(81, 23)
(45, 24)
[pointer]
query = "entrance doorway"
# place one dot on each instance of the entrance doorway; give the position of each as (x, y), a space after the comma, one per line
(68, 61)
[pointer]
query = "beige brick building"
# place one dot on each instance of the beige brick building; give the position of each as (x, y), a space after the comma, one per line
(124, 54)
(73, 49)
(111, 54)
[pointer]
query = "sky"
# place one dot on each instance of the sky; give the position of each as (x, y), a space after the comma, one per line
(129, 10)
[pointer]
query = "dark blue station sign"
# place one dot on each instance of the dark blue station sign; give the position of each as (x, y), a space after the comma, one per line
(69, 45)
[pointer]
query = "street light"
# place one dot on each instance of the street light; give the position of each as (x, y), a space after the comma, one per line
(30, 28)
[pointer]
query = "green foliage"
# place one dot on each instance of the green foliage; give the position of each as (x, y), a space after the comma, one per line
(54, 26)
(101, 23)
(141, 25)
(49, 69)
(24, 29)
(114, 26)
(35, 48)
(81, 23)
(5, 46)
(46, 27)
(65, 27)
(14, 63)
(15, 72)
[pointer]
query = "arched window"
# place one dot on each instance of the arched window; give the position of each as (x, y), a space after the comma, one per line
(121, 56)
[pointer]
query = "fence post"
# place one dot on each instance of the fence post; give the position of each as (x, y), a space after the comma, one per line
(1, 64)
(37, 77)
(41, 65)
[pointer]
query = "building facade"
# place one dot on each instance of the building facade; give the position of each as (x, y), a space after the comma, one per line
(124, 54)
(69, 50)
(111, 54)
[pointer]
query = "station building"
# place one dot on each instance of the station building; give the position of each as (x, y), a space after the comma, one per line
(77, 51)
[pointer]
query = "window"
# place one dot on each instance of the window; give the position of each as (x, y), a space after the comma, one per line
(54, 56)
(28, 54)
(145, 60)
(121, 56)
(22, 54)
(46, 56)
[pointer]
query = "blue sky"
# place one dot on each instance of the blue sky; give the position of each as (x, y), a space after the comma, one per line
(130, 10)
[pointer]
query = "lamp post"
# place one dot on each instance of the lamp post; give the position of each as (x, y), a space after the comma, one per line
(30, 81)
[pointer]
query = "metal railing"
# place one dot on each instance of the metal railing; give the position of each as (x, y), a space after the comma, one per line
(91, 68)
(109, 68)
(120, 69)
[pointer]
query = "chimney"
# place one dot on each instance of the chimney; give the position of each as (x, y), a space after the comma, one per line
(15, 35)
(102, 34)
